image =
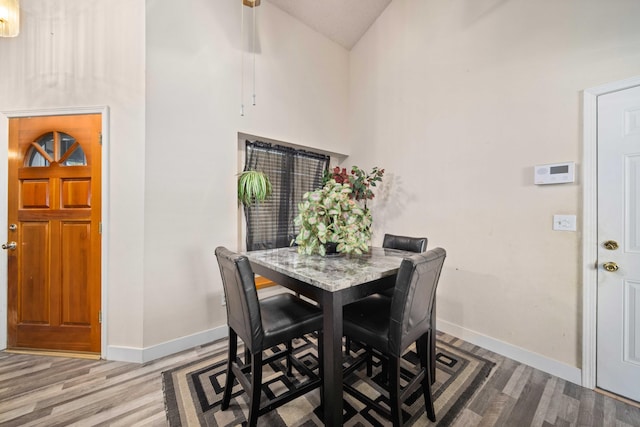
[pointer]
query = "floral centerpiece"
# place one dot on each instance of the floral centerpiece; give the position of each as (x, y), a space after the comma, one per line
(333, 214)
(358, 180)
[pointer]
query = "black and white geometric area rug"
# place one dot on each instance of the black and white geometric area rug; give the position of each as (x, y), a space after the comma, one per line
(193, 391)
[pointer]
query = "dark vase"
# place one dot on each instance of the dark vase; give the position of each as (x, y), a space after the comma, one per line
(331, 248)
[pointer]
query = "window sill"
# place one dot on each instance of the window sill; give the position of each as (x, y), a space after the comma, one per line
(263, 282)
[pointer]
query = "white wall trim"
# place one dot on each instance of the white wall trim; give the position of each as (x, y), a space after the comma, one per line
(535, 360)
(589, 240)
(4, 197)
(106, 179)
(143, 355)
(103, 110)
(98, 109)
(590, 224)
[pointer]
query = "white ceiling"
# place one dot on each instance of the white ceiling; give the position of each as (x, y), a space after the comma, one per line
(343, 21)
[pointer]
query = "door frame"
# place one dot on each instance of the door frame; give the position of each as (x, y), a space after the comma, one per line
(4, 152)
(590, 223)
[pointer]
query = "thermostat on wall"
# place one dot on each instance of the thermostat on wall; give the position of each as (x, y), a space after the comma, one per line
(556, 173)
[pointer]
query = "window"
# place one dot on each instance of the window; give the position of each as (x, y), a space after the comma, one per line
(55, 147)
(292, 173)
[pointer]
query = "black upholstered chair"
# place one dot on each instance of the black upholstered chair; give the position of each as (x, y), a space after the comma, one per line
(404, 243)
(411, 244)
(262, 324)
(390, 326)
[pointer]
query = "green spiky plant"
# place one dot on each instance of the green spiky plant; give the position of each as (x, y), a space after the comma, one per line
(253, 187)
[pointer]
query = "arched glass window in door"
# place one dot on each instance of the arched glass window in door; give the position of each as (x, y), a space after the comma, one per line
(55, 147)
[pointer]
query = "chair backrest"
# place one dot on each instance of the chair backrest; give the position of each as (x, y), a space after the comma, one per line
(413, 244)
(413, 297)
(243, 308)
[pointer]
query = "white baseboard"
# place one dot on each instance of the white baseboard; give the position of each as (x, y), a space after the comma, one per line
(142, 355)
(553, 367)
(535, 360)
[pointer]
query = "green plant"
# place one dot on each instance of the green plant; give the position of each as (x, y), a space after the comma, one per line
(253, 187)
(330, 214)
(360, 181)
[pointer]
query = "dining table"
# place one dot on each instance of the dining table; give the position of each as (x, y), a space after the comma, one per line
(332, 281)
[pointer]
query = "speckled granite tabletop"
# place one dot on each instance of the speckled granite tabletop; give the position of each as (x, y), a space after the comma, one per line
(334, 272)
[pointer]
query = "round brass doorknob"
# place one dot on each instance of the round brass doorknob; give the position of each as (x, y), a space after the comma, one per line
(610, 266)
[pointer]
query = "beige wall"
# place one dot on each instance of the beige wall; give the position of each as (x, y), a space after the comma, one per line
(170, 76)
(192, 111)
(83, 53)
(459, 100)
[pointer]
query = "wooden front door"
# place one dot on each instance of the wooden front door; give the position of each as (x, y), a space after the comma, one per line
(54, 233)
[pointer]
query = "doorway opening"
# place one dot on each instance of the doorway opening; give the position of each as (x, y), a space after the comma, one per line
(51, 173)
(590, 241)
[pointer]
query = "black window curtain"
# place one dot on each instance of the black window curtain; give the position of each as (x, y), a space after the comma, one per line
(292, 173)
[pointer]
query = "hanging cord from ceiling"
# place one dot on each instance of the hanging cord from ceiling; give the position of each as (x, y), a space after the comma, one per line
(254, 54)
(242, 59)
(252, 4)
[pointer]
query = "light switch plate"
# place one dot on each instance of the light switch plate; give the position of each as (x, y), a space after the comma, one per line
(564, 222)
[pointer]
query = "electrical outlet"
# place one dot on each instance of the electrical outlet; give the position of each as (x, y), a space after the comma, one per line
(223, 300)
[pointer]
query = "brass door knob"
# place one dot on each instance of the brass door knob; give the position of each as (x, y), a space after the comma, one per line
(612, 245)
(610, 266)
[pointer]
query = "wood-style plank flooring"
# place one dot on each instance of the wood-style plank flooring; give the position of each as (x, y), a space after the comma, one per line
(55, 391)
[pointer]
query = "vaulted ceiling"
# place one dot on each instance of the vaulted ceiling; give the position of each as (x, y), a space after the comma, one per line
(343, 21)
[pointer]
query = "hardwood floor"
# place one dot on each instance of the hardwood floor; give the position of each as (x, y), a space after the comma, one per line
(55, 391)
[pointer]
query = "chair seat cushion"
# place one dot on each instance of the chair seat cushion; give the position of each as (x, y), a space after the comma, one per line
(367, 320)
(285, 317)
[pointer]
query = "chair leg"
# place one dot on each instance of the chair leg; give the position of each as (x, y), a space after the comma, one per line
(247, 356)
(369, 351)
(231, 358)
(424, 343)
(288, 358)
(394, 391)
(385, 368)
(321, 366)
(432, 343)
(256, 389)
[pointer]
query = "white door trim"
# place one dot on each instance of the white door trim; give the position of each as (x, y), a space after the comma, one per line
(4, 149)
(590, 224)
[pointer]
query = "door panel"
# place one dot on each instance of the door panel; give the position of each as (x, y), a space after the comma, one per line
(76, 246)
(55, 201)
(632, 325)
(618, 319)
(76, 194)
(33, 303)
(34, 194)
(632, 212)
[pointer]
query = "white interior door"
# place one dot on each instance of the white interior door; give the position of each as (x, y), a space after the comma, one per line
(618, 319)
